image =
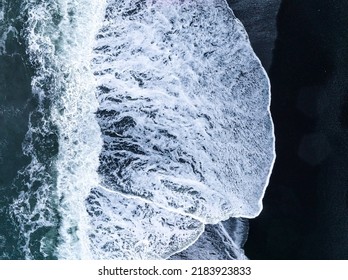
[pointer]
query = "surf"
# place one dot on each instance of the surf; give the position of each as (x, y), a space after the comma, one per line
(151, 121)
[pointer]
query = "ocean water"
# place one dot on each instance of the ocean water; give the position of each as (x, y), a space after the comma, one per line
(129, 130)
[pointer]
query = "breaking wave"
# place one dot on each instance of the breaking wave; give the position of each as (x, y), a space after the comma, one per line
(151, 121)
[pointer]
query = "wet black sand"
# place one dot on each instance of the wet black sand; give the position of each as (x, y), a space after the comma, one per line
(305, 212)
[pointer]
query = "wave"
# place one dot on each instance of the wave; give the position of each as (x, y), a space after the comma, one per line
(152, 120)
(63, 139)
(184, 109)
(222, 241)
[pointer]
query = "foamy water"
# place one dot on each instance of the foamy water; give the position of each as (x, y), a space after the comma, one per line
(60, 36)
(183, 109)
(152, 121)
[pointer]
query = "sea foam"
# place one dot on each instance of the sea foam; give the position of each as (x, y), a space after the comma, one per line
(184, 111)
(63, 139)
(183, 108)
(152, 121)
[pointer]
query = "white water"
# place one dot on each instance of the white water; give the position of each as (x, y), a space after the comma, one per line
(79, 141)
(60, 36)
(6, 29)
(128, 228)
(184, 108)
(186, 137)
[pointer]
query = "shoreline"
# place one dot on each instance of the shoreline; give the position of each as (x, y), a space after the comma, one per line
(305, 212)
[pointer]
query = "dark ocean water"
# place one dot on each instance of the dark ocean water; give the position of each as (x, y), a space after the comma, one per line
(16, 104)
(124, 130)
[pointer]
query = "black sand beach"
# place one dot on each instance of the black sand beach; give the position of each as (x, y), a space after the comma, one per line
(305, 212)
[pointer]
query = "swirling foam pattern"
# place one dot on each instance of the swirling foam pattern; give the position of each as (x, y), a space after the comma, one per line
(183, 108)
(184, 138)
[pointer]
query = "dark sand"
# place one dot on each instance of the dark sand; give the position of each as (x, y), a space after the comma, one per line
(305, 212)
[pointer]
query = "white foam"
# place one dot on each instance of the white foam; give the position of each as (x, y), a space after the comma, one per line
(6, 29)
(218, 242)
(184, 112)
(73, 113)
(184, 108)
(124, 228)
(34, 209)
(60, 36)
